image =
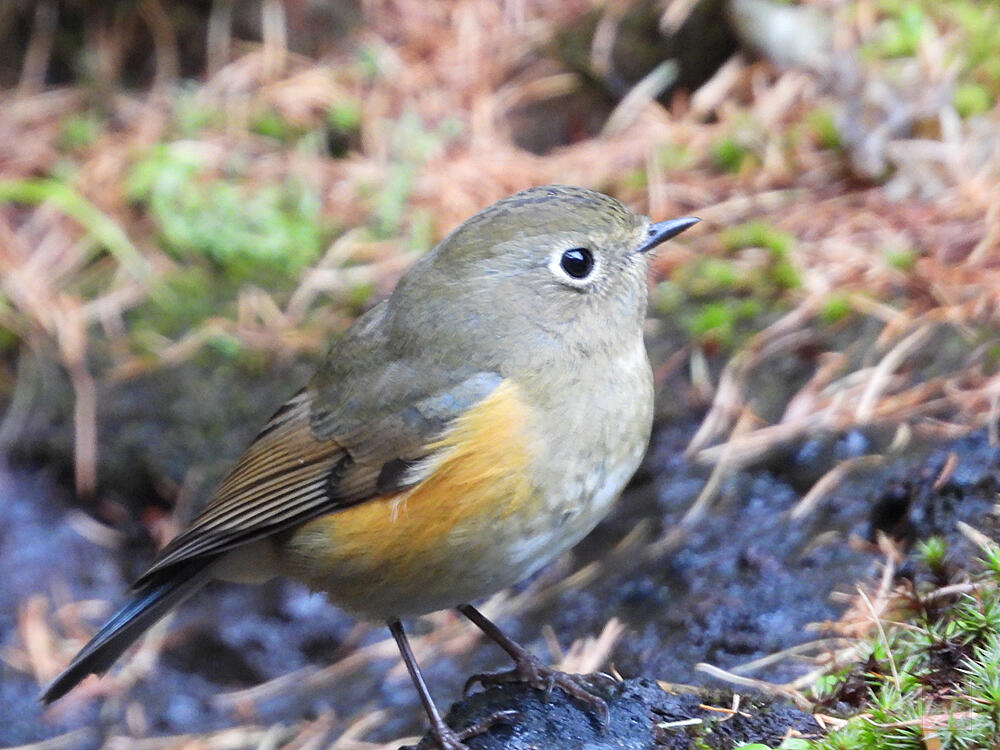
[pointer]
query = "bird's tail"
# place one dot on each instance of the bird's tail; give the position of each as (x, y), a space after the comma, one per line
(127, 624)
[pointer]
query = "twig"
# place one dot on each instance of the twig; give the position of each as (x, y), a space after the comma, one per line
(826, 483)
(796, 650)
(39, 50)
(881, 634)
(218, 36)
(84, 737)
(763, 686)
(654, 83)
(888, 365)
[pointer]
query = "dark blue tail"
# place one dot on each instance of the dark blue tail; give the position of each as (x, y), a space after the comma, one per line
(125, 626)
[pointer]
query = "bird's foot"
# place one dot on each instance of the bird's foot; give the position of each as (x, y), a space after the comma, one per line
(529, 669)
(444, 738)
(448, 739)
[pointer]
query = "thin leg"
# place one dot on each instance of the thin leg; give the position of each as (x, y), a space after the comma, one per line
(512, 647)
(528, 668)
(445, 737)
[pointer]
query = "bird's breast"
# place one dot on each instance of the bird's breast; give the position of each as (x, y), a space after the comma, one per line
(512, 483)
(598, 435)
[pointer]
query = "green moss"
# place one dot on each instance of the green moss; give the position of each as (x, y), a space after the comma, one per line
(932, 553)
(740, 148)
(823, 128)
(969, 31)
(944, 662)
(411, 144)
(721, 322)
(785, 275)
(729, 155)
(250, 232)
(979, 21)
(637, 179)
(9, 341)
(901, 35)
(360, 296)
(748, 309)
(421, 234)
(191, 116)
(345, 116)
(104, 232)
(191, 294)
(723, 300)
(717, 275)
(225, 344)
(758, 234)
(835, 308)
(227, 232)
(973, 99)
(901, 260)
(78, 131)
(671, 157)
(713, 321)
(272, 125)
(667, 298)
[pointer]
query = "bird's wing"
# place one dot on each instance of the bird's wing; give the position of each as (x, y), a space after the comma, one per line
(300, 466)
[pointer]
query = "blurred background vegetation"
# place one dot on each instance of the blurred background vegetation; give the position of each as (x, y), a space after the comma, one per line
(196, 198)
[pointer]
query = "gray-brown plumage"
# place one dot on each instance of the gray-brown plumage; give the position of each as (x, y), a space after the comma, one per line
(460, 435)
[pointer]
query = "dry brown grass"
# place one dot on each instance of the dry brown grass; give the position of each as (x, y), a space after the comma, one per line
(476, 61)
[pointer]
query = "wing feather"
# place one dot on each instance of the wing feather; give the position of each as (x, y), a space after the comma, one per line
(290, 474)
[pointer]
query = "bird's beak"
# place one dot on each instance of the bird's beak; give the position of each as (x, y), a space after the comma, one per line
(662, 231)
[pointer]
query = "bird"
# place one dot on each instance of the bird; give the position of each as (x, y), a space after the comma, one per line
(461, 434)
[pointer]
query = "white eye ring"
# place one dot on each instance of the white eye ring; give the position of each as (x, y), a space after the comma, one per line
(575, 266)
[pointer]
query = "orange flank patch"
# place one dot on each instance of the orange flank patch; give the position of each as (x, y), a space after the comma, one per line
(476, 492)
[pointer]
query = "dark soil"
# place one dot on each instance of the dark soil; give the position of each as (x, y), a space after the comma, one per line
(745, 582)
(641, 716)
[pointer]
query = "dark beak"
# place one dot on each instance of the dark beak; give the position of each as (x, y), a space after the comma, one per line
(662, 231)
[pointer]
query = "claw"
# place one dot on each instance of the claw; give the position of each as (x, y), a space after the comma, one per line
(550, 683)
(531, 671)
(489, 679)
(497, 717)
(603, 714)
(605, 678)
(452, 740)
(528, 669)
(473, 679)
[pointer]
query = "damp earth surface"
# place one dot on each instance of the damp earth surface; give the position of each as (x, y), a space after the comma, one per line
(742, 582)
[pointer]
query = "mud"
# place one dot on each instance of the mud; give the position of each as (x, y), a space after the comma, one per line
(641, 716)
(745, 582)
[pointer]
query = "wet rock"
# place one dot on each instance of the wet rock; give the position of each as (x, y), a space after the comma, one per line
(641, 715)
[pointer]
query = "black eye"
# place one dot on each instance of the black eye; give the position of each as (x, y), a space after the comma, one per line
(578, 262)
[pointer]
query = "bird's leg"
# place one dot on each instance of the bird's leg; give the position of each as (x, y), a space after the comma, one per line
(447, 739)
(528, 668)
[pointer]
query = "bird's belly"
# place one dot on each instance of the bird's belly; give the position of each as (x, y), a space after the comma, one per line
(416, 552)
(407, 555)
(483, 517)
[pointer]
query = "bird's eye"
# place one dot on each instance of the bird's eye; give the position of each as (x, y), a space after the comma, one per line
(577, 262)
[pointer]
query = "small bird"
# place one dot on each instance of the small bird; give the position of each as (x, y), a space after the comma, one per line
(462, 434)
